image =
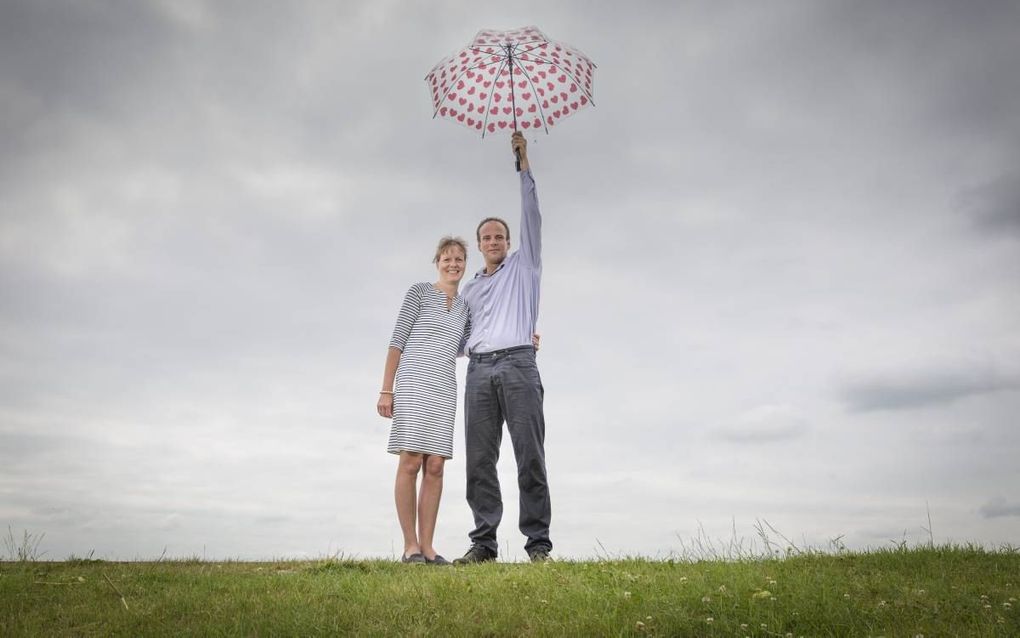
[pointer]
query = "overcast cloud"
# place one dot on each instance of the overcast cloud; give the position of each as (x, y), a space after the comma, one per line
(780, 271)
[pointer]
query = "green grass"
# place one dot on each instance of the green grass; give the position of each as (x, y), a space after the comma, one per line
(939, 591)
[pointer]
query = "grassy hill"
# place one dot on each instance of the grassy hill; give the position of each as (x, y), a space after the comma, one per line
(936, 591)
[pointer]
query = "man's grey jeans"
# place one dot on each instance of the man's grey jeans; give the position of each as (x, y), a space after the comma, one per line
(505, 385)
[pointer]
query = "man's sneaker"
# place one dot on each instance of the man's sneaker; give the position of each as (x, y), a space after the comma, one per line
(477, 554)
(540, 556)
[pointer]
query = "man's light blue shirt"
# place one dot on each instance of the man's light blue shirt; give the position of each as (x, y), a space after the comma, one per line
(504, 305)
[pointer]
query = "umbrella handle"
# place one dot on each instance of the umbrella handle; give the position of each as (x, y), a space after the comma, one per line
(517, 160)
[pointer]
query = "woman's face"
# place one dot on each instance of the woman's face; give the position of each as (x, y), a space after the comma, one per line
(451, 265)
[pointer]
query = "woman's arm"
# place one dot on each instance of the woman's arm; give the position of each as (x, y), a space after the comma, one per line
(385, 405)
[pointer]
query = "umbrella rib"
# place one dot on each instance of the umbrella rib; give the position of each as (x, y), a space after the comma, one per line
(578, 82)
(456, 78)
(535, 92)
(478, 47)
(491, 94)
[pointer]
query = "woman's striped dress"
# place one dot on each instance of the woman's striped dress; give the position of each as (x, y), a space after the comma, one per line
(425, 389)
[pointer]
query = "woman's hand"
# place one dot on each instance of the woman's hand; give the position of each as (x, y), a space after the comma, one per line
(385, 405)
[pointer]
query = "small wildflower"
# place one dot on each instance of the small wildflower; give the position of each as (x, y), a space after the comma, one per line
(626, 594)
(683, 579)
(983, 597)
(722, 589)
(847, 596)
(988, 606)
(81, 579)
(1007, 605)
(706, 599)
(789, 635)
(762, 594)
(648, 618)
(881, 603)
(710, 620)
(640, 626)
(743, 626)
(764, 626)
(544, 601)
(772, 582)
(918, 635)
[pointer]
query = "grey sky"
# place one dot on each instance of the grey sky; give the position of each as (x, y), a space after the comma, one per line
(781, 265)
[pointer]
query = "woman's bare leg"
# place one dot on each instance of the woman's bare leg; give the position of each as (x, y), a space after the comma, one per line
(403, 492)
(428, 503)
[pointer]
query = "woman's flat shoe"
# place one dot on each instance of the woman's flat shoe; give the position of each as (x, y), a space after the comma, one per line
(418, 559)
(438, 560)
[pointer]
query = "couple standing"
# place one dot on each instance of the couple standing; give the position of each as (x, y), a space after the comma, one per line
(493, 322)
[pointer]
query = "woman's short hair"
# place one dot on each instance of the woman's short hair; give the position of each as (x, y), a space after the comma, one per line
(448, 242)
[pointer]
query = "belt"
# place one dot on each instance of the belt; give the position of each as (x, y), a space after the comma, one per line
(497, 354)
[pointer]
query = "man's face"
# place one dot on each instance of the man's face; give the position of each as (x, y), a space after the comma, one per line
(493, 243)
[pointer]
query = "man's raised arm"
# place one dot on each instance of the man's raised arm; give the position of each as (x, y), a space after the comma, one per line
(531, 219)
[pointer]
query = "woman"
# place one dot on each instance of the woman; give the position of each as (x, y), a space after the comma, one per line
(420, 394)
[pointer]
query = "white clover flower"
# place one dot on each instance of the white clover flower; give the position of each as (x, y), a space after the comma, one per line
(710, 620)
(706, 599)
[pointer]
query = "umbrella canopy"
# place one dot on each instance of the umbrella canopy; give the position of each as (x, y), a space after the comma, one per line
(511, 80)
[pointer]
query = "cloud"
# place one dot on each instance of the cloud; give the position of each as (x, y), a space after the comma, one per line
(909, 390)
(999, 508)
(765, 424)
(994, 206)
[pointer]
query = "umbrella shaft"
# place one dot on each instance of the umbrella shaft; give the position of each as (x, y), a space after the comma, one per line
(513, 102)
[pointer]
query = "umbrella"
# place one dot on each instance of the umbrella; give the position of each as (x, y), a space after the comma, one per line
(511, 80)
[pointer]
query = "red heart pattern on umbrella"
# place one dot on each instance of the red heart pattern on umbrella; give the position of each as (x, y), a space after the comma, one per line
(506, 73)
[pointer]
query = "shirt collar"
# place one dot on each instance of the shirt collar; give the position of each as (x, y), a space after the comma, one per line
(481, 273)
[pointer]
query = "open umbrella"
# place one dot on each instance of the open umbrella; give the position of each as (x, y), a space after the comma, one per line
(511, 80)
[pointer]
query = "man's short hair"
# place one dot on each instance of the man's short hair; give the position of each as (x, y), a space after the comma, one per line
(448, 242)
(478, 231)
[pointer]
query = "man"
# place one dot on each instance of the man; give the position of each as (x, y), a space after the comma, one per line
(503, 383)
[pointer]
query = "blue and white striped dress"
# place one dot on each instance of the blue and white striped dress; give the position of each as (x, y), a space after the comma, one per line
(425, 389)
